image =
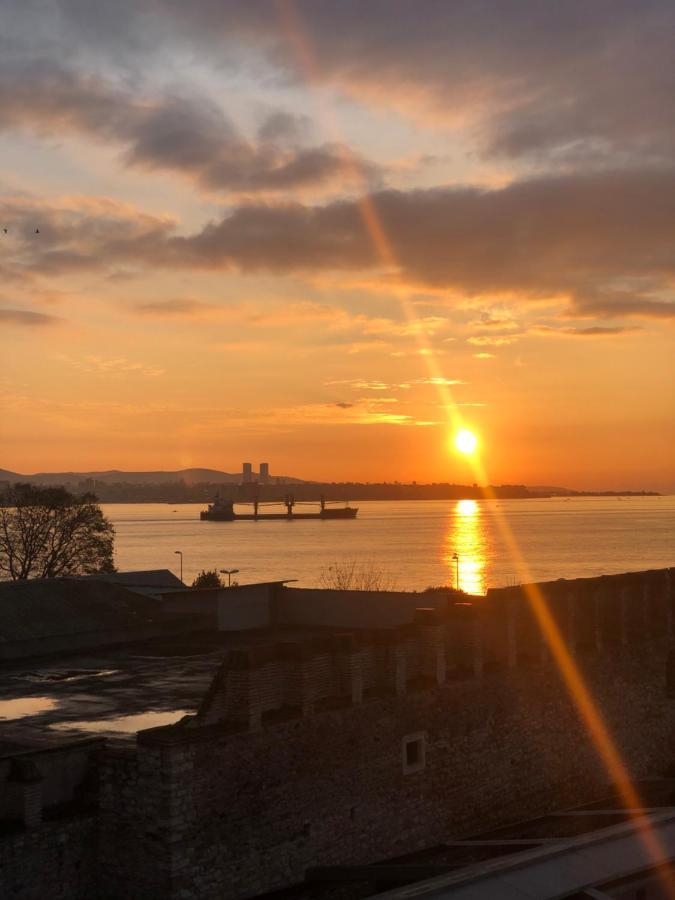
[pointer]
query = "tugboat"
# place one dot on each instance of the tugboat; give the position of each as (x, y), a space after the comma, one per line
(223, 511)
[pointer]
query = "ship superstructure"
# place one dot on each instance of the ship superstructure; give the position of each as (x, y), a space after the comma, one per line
(222, 510)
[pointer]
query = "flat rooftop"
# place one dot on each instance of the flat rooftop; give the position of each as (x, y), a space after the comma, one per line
(114, 692)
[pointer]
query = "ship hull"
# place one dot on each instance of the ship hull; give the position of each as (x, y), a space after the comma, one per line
(348, 512)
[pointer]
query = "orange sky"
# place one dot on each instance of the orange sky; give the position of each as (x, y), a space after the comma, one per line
(324, 238)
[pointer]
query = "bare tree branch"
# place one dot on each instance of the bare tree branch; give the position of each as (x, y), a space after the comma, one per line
(49, 532)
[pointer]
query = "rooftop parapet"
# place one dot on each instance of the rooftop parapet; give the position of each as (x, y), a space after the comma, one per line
(258, 685)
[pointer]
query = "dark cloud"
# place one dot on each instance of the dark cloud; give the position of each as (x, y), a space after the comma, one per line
(282, 238)
(27, 319)
(599, 331)
(593, 331)
(566, 80)
(576, 80)
(184, 133)
(573, 237)
(345, 405)
(623, 303)
(281, 127)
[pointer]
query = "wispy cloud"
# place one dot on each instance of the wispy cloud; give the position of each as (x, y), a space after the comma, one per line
(27, 319)
(362, 384)
(183, 132)
(495, 322)
(439, 381)
(112, 367)
(592, 331)
(335, 414)
(487, 340)
(177, 307)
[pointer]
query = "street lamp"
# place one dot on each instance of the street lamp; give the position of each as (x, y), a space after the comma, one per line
(180, 553)
(229, 573)
(455, 558)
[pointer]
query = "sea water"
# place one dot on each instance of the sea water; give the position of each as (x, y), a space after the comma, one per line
(411, 544)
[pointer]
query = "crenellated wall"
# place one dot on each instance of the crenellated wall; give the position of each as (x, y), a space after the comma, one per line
(503, 630)
(362, 746)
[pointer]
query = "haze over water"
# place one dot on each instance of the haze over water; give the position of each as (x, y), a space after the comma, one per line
(410, 542)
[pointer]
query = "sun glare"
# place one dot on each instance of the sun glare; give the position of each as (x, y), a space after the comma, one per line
(466, 441)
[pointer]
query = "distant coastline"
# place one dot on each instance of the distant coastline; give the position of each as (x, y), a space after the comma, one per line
(201, 485)
(619, 495)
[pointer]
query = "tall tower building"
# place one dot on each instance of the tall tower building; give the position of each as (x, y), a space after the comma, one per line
(247, 473)
(264, 473)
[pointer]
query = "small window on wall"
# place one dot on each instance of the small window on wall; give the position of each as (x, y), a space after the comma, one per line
(414, 752)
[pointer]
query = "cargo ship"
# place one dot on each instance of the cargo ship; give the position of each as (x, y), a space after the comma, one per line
(223, 511)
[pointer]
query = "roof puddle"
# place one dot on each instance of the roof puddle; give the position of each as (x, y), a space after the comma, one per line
(125, 724)
(22, 707)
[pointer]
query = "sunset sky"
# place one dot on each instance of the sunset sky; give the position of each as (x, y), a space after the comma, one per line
(326, 234)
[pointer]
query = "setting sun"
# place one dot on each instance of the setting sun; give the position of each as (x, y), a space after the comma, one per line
(466, 441)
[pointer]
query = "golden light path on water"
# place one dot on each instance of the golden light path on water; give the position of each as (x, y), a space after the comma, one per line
(465, 548)
(589, 713)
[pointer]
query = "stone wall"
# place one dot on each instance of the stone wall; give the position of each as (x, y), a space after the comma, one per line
(362, 747)
(56, 860)
(49, 821)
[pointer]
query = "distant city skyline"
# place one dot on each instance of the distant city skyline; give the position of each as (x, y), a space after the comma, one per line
(91, 480)
(310, 233)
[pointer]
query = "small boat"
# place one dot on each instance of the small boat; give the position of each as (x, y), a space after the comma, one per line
(223, 511)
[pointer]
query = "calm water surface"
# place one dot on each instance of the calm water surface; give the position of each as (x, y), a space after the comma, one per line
(413, 543)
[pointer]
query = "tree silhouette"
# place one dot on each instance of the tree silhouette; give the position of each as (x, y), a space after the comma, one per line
(49, 532)
(208, 579)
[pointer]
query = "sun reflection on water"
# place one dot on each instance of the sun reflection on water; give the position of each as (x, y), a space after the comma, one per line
(465, 548)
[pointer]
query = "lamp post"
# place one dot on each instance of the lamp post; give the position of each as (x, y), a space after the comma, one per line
(455, 558)
(180, 553)
(229, 573)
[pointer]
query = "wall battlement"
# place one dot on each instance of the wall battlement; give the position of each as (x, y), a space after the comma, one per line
(266, 684)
